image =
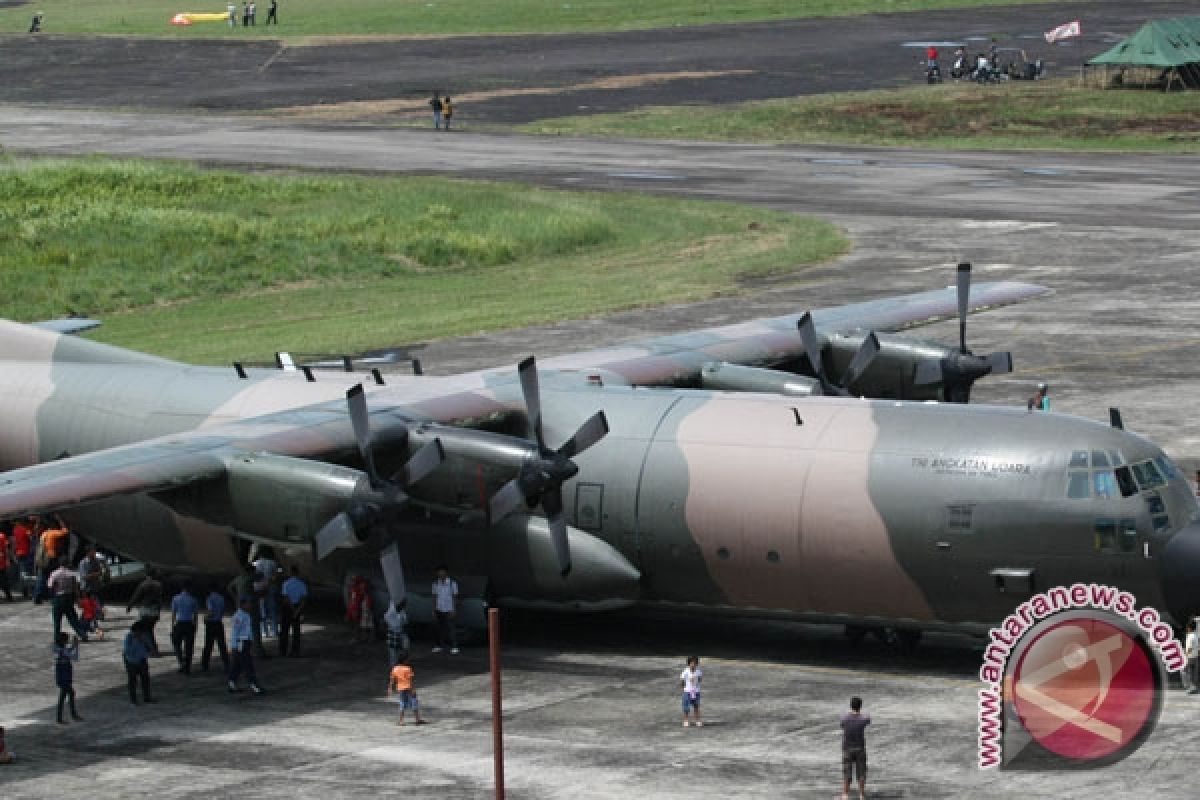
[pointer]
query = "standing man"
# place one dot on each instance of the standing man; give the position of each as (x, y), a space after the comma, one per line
(294, 597)
(435, 103)
(253, 14)
(246, 585)
(854, 748)
(183, 626)
(445, 609)
(232, 9)
(245, 14)
(22, 544)
(1040, 401)
(241, 639)
(271, 15)
(447, 111)
(214, 629)
(91, 572)
(148, 599)
(396, 620)
(267, 585)
(64, 588)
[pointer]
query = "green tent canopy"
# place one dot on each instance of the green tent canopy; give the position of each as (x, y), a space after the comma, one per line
(1159, 43)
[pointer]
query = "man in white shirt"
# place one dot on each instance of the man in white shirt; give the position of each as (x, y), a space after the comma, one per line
(445, 608)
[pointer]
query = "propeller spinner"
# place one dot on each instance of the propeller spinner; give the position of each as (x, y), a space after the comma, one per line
(957, 372)
(541, 477)
(858, 364)
(383, 498)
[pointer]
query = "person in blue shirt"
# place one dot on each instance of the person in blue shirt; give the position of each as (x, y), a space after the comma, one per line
(184, 607)
(136, 654)
(66, 651)
(214, 628)
(294, 596)
(241, 640)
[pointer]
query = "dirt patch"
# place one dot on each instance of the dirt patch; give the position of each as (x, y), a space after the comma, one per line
(359, 109)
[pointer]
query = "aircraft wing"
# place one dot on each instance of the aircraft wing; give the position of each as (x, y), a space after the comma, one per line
(323, 433)
(766, 342)
(319, 433)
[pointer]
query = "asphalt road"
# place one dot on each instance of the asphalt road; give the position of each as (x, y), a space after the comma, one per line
(575, 73)
(591, 702)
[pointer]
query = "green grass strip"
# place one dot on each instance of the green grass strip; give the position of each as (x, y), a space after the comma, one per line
(209, 265)
(435, 17)
(1050, 115)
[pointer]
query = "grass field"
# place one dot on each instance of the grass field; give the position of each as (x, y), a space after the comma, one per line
(433, 17)
(207, 266)
(1016, 115)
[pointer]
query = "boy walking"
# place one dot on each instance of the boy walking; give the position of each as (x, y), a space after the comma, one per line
(401, 680)
(854, 748)
(136, 654)
(689, 681)
(65, 653)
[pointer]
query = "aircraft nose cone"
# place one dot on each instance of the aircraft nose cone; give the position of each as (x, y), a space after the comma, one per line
(1180, 571)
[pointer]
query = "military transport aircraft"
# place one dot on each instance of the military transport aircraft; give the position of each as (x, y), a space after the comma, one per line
(736, 469)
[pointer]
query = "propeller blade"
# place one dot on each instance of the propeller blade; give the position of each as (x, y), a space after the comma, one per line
(338, 532)
(591, 431)
(506, 500)
(1001, 363)
(1114, 419)
(928, 372)
(393, 572)
(527, 370)
(812, 348)
(425, 461)
(964, 300)
(356, 399)
(552, 504)
(862, 359)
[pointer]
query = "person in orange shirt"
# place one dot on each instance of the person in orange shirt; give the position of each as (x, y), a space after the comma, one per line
(401, 680)
(56, 540)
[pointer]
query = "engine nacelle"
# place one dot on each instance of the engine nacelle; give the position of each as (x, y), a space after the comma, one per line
(738, 378)
(273, 498)
(523, 569)
(892, 374)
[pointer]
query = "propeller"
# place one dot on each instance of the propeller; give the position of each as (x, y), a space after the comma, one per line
(958, 371)
(541, 477)
(854, 370)
(383, 497)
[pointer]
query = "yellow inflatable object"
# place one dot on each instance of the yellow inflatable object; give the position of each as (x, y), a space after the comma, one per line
(188, 17)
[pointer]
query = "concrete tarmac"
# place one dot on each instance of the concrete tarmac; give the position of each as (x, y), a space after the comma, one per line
(592, 706)
(591, 711)
(1116, 237)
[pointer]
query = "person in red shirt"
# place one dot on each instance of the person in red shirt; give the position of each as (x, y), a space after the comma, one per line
(22, 542)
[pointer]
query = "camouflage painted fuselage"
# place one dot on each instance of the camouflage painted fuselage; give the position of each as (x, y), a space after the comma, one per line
(877, 512)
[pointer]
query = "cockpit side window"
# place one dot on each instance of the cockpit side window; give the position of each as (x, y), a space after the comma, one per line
(1099, 458)
(1125, 482)
(1168, 468)
(1147, 475)
(1077, 487)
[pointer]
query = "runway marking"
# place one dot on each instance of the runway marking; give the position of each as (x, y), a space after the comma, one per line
(420, 106)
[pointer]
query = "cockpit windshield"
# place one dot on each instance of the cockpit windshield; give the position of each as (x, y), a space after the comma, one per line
(1106, 474)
